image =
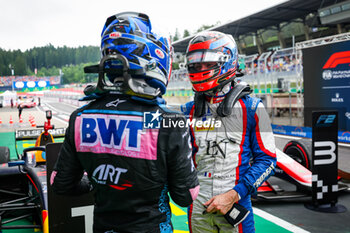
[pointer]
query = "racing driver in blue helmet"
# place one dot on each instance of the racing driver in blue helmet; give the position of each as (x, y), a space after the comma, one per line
(132, 161)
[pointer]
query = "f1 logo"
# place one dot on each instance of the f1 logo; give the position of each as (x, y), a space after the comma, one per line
(336, 59)
(330, 152)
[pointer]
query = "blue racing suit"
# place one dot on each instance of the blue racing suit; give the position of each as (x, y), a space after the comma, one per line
(233, 152)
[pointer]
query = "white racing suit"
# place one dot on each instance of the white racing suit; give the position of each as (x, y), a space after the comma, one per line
(222, 154)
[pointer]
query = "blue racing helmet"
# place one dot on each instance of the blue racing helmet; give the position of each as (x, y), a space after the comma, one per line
(130, 35)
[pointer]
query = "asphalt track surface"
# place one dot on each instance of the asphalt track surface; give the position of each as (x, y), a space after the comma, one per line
(292, 211)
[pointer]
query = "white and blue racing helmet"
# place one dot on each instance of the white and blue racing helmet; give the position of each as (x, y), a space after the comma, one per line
(130, 35)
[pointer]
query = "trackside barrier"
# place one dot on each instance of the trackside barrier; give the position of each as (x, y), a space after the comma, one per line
(306, 132)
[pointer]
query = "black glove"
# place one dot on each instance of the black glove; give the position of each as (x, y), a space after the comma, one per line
(236, 215)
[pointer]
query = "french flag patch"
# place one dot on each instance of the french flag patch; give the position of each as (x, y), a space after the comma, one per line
(207, 174)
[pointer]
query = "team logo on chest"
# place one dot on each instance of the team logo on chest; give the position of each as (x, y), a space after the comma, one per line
(120, 135)
(111, 131)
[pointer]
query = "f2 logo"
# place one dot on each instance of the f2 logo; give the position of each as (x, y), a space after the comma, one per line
(325, 120)
(330, 151)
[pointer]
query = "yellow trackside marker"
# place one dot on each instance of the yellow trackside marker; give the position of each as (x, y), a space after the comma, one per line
(45, 217)
(26, 145)
(178, 231)
(176, 210)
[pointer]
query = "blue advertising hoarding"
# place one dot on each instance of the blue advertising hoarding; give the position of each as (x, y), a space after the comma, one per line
(306, 132)
(30, 84)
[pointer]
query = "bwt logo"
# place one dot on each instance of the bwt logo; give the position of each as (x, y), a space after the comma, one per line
(111, 131)
(325, 120)
(152, 120)
(337, 59)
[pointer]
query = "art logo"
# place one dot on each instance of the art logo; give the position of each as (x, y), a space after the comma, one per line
(152, 120)
(111, 175)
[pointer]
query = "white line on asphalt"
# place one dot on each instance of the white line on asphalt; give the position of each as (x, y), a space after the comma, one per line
(65, 122)
(65, 117)
(287, 136)
(278, 221)
(344, 144)
(55, 109)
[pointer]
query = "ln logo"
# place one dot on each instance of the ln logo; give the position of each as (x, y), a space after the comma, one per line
(329, 152)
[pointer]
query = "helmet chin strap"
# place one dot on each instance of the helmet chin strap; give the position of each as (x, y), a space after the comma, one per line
(201, 107)
(123, 82)
(220, 92)
(140, 87)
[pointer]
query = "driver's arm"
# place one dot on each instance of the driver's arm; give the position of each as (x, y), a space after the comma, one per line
(67, 177)
(264, 155)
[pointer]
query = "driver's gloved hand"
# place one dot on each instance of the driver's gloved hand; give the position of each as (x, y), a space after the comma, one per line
(236, 215)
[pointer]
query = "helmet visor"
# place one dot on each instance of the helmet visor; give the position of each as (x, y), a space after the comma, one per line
(205, 56)
(199, 61)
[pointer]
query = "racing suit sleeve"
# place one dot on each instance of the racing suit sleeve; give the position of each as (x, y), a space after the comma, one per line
(262, 144)
(67, 178)
(183, 183)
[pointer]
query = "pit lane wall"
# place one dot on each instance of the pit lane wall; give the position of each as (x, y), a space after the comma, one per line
(69, 96)
(306, 132)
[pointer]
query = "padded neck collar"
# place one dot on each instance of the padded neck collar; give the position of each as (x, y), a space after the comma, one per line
(226, 105)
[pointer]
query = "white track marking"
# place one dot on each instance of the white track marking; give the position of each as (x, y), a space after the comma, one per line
(344, 144)
(280, 222)
(56, 118)
(287, 136)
